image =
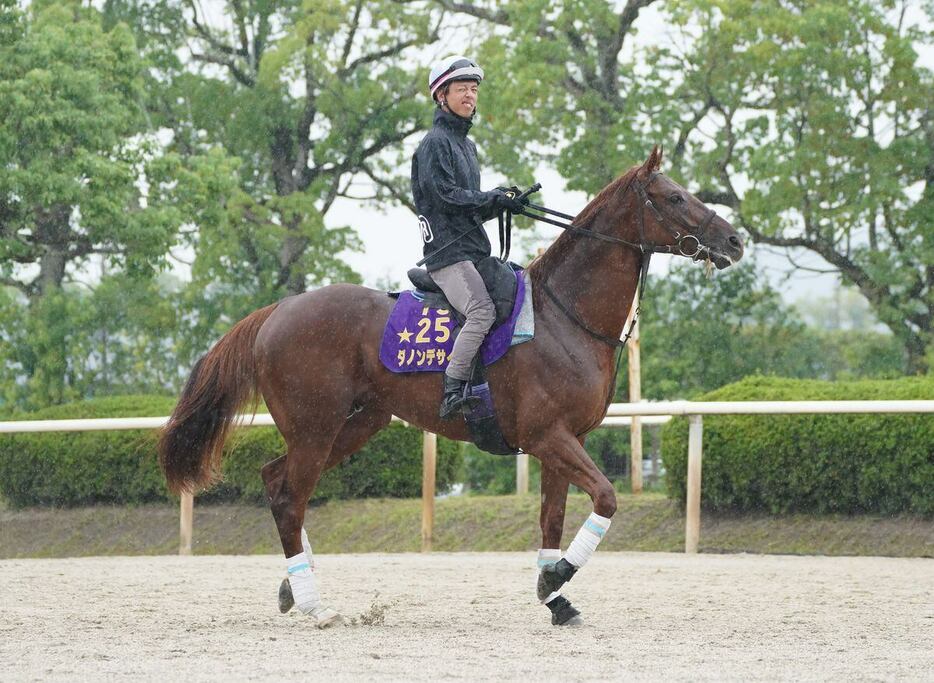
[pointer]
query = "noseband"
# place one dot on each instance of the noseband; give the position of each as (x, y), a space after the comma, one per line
(696, 232)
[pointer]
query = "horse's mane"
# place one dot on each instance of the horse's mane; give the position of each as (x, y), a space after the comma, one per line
(557, 251)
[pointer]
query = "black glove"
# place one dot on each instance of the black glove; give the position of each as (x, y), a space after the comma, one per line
(508, 199)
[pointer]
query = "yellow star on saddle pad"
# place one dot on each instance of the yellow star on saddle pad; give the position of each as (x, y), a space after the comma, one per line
(404, 335)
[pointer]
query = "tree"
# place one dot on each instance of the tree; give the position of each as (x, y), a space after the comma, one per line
(309, 96)
(811, 120)
(124, 336)
(701, 333)
(567, 91)
(81, 180)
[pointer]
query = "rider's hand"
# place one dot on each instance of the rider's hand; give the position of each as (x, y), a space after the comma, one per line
(509, 199)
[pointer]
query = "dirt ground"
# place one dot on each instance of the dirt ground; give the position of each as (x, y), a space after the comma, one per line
(649, 616)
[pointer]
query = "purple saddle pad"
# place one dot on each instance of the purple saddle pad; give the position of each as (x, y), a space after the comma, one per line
(418, 338)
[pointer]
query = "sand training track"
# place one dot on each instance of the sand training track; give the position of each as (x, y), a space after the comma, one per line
(650, 616)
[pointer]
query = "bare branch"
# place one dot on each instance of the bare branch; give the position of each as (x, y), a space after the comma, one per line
(354, 24)
(241, 21)
(305, 143)
(574, 86)
(727, 198)
(497, 17)
(240, 75)
(29, 289)
(609, 50)
(809, 269)
(400, 196)
(206, 35)
(387, 140)
(376, 56)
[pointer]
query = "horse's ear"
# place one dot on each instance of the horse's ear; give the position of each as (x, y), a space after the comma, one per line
(653, 163)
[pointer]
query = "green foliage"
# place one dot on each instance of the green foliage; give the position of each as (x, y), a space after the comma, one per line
(84, 185)
(322, 90)
(82, 468)
(495, 475)
(389, 465)
(699, 334)
(72, 136)
(811, 463)
(126, 336)
(811, 121)
(818, 110)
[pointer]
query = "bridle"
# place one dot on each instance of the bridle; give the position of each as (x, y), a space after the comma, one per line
(692, 232)
(645, 247)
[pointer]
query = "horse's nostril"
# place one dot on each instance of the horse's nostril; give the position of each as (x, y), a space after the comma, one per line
(735, 241)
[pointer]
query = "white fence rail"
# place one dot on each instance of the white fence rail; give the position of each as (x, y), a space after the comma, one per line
(618, 415)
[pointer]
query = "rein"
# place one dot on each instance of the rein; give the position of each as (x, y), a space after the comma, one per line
(645, 247)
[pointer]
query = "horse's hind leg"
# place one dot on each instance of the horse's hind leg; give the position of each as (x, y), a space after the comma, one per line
(554, 501)
(357, 430)
(565, 455)
(290, 481)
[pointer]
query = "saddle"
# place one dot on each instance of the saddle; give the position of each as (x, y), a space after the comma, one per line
(498, 276)
(419, 335)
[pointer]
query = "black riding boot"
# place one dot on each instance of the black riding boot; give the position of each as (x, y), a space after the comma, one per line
(454, 400)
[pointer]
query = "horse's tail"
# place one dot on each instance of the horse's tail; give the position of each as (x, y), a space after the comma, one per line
(221, 382)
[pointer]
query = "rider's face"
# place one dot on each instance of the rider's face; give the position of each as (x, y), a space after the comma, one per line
(461, 98)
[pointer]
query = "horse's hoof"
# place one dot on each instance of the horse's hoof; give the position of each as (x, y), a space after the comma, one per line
(563, 612)
(286, 601)
(325, 617)
(552, 577)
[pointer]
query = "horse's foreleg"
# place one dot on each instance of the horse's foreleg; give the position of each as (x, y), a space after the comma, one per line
(564, 456)
(554, 501)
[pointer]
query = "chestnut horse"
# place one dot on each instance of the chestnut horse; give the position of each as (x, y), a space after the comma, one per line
(314, 358)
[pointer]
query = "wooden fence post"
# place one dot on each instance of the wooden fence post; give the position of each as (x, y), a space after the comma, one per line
(635, 395)
(185, 523)
(692, 512)
(522, 474)
(429, 460)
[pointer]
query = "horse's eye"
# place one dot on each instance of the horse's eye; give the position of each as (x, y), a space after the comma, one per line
(676, 198)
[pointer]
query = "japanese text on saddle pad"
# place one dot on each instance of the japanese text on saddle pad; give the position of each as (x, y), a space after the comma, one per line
(429, 343)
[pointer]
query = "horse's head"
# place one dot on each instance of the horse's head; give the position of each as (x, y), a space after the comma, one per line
(673, 220)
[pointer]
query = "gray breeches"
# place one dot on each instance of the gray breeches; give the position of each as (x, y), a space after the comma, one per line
(464, 289)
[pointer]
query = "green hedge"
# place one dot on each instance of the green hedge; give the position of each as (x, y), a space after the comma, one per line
(83, 468)
(79, 468)
(389, 465)
(811, 463)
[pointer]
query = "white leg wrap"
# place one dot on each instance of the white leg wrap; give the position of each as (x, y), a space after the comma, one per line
(548, 556)
(587, 540)
(306, 544)
(302, 581)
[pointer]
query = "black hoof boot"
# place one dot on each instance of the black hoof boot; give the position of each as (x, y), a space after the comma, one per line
(286, 601)
(553, 576)
(454, 401)
(563, 612)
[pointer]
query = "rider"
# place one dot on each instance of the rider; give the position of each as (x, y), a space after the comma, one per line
(451, 207)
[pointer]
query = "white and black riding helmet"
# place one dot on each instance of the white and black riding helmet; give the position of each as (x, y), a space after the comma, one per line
(453, 68)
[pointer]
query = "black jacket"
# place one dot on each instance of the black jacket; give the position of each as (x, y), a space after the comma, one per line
(446, 189)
